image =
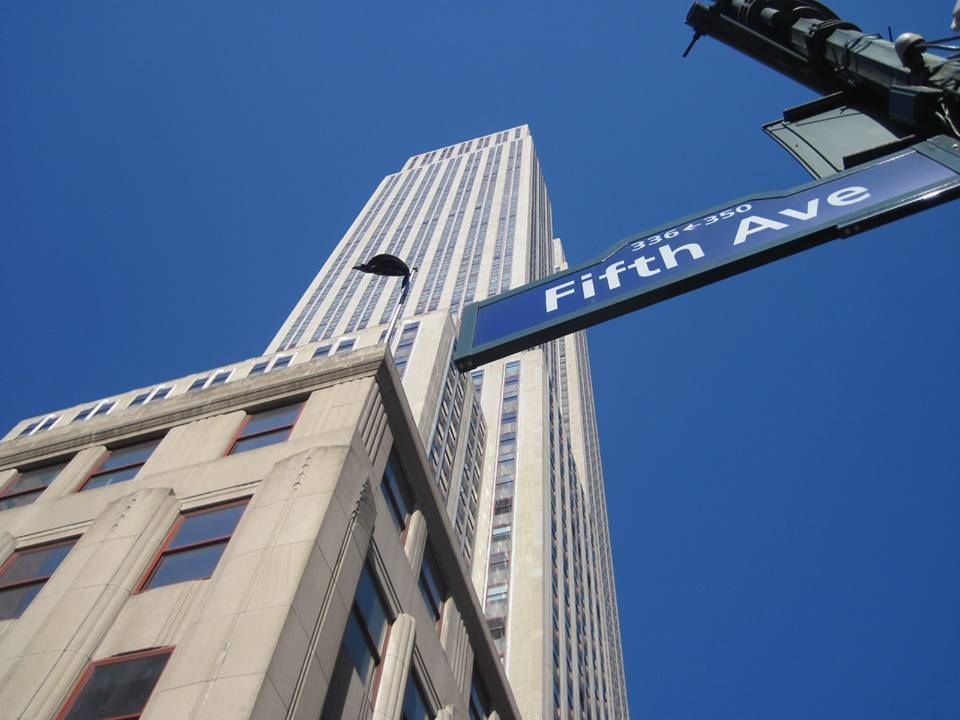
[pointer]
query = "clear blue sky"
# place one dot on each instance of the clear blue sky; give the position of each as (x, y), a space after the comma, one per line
(780, 448)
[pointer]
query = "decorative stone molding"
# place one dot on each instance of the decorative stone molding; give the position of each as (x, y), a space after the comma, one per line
(373, 423)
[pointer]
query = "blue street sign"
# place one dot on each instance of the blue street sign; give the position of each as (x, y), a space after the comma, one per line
(703, 248)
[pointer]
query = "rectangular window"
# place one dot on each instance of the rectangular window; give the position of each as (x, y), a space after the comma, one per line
(101, 408)
(414, 705)
(25, 573)
(282, 362)
(503, 505)
(158, 393)
(432, 586)
(26, 485)
(367, 627)
(266, 428)
(259, 368)
(362, 647)
(194, 545)
(345, 345)
(121, 464)
(140, 399)
(83, 414)
(116, 688)
(321, 351)
(40, 425)
(405, 346)
(198, 384)
(396, 492)
(221, 377)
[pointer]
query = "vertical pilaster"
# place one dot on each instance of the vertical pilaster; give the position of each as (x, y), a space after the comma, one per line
(396, 668)
(7, 544)
(89, 588)
(453, 637)
(416, 540)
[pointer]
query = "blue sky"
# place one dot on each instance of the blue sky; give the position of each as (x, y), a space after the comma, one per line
(780, 448)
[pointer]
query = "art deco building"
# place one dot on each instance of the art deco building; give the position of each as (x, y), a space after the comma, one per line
(262, 541)
(519, 463)
(332, 529)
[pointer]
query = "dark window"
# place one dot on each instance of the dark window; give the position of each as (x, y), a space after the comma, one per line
(26, 485)
(139, 399)
(321, 351)
(198, 383)
(30, 429)
(479, 700)
(345, 345)
(502, 505)
(362, 647)
(116, 688)
(266, 428)
(282, 362)
(83, 414)
(414, 706)
(220, 378)
(195, 545)
(259, 368)
(104, 408)
(121, 464)
(432, 587)
(397, 493)
(25, 573)
(161, 392)
(367, 627)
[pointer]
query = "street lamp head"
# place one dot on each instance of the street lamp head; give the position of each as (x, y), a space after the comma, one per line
(384, 264)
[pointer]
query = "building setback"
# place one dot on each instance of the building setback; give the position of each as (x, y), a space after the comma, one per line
(269, 547)
(480, 548)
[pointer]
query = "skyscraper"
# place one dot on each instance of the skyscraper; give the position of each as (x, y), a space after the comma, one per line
(315, 532)
(514, 448)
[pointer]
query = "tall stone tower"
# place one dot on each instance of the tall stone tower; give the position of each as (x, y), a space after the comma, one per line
(514, 445)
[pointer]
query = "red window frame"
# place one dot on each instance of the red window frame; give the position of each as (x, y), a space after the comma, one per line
(269, 431)
(98, 468)
(116, 659)
(5, 495)
(165, 547)
(37, 579)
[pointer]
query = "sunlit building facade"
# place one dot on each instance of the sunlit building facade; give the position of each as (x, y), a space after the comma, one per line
(258, 541)
(513, 445)
(335, 528)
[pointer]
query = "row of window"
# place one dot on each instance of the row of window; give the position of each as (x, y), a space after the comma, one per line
(120, 686)
(336, 270)
(368, 625)
(498, 565)
(161, 392)
(373, 290)
(123, 462)
(191, 551)
(359, 661)
(400, 503)
(351, 281)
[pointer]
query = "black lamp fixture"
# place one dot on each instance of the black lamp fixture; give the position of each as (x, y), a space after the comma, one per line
(389, 266)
